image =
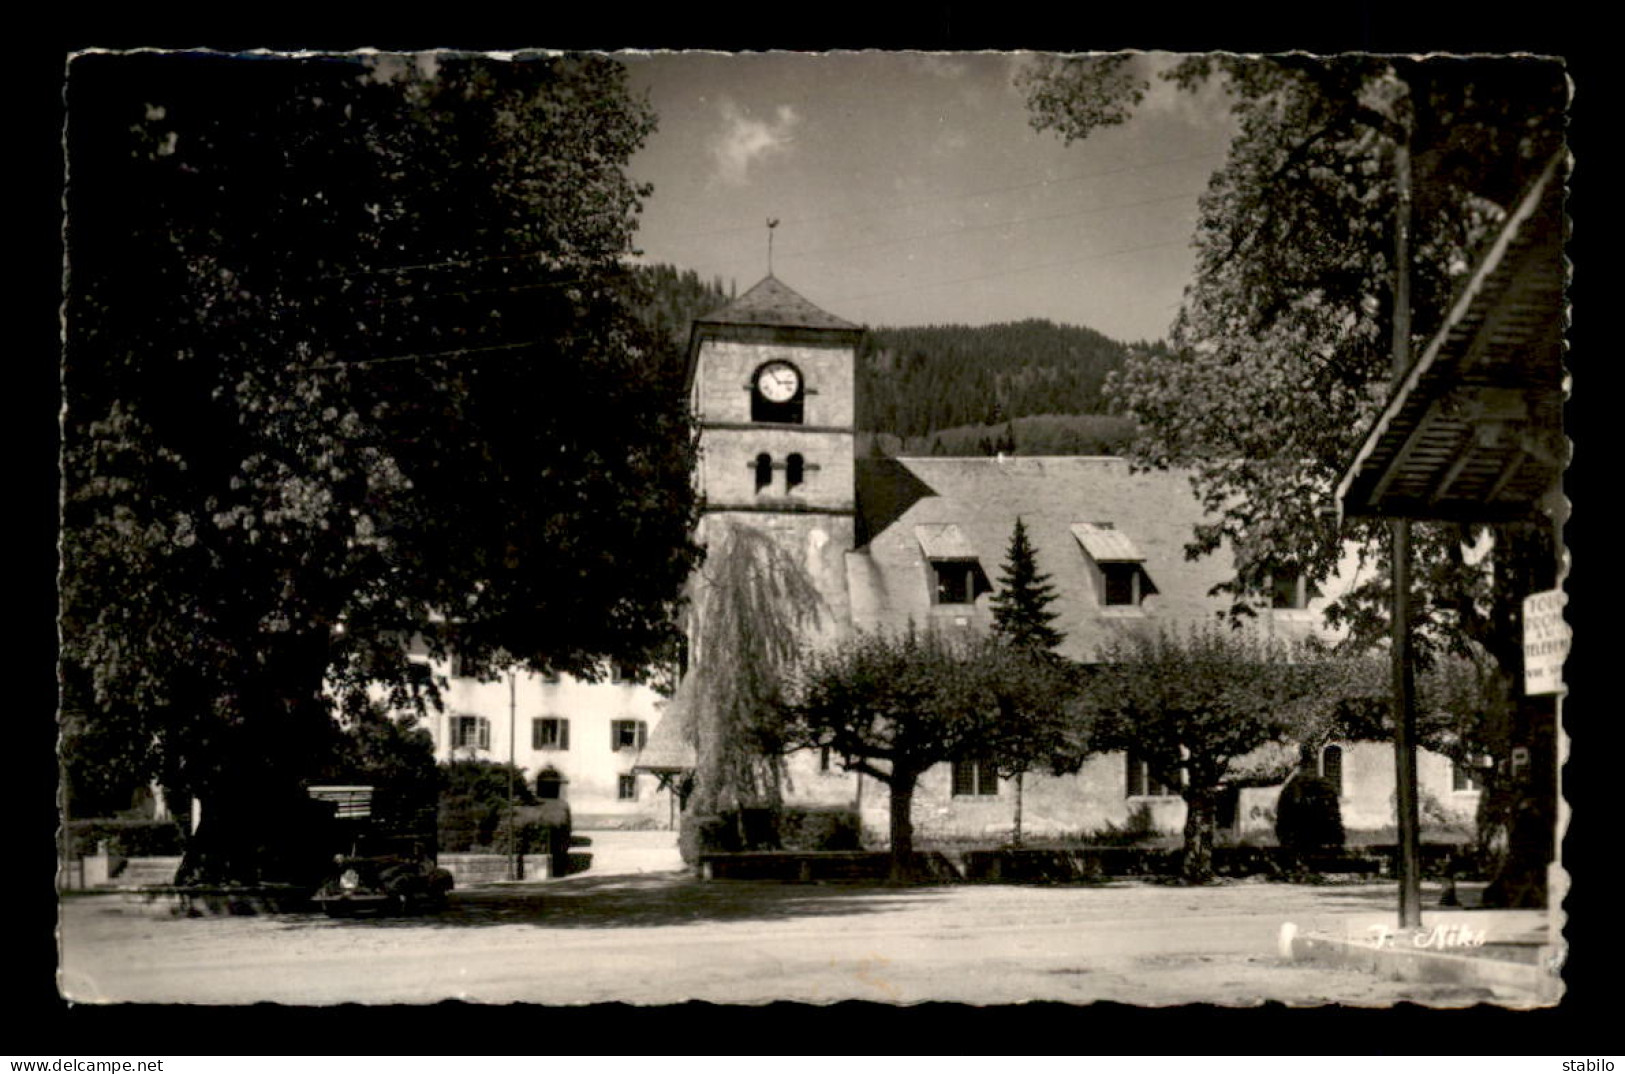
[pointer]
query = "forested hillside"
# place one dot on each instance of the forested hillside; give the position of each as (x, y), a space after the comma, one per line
(1028, 388)
(670, 298)
(916, 381)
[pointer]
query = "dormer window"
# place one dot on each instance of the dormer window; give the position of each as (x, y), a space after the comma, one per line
(956, 572)
(955, 581)
(1121, 580)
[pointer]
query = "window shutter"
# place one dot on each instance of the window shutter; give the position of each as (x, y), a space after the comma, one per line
(614, 735)
(1136, 776)
(964, 777)
(564, 734)
(485, 732)
(537, 738)
(643, 734)
(989, 779)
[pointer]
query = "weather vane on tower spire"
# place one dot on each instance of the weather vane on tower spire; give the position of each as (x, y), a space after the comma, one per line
(772, 222)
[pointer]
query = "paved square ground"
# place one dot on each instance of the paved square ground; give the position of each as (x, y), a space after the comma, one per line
(660, 936)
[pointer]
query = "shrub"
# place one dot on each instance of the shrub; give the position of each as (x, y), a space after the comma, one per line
(126, 838)
(706, 834)
(1138, 827)
(789, 828)
(1307, 815)
(820, 829)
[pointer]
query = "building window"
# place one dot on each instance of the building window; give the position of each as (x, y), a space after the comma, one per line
(795, 471)
(626, 788)
(764, 471)
(628, 734)
(462, 667)
(1122, 588)
(470, 732)
(551, 677)
(1331, 767)
(973, 776)
(620, 672)
(1291, 591)
(1463, 777)
(958, 581)
(549, 733)
(1141, 780)
(823, 758)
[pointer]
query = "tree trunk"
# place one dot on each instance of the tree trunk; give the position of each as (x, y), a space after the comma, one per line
(1015, 835)
(1199, 810)
(901, 786)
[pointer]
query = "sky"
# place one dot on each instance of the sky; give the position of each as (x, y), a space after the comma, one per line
(911, 188)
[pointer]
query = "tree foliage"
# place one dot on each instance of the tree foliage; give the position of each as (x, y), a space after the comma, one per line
(349, 350)
(1279, 355)
(1201, 708)
(890, 706)
(1021, 608)
(753, 610)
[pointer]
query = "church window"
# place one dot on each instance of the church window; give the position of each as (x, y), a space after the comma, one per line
(1141, 780)
(974, 776)
(1331, 767)
(1122, 584)
(1291, 591)
(956, 581)
(764, 471)
(794, 471)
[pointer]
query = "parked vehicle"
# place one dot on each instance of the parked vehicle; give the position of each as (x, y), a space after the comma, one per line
(385, 884)
(375, 871)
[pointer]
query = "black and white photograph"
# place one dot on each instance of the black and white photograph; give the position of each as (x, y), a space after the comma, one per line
(908, 527)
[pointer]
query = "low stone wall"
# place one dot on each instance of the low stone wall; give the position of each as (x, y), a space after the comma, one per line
(467, 869)
(1066, 865)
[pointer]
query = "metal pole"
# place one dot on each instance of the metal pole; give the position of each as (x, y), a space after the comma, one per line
(1410, 857)
(515, 873)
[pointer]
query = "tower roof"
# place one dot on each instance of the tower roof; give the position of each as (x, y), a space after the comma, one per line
(773, 304)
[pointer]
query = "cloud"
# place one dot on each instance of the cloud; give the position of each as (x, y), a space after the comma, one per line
(1208, 105)
(745, 140)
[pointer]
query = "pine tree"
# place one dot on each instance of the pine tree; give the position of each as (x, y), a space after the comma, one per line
(1021, 612)
(1022, 618)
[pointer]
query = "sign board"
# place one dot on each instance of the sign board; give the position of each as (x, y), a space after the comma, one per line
(353, 802)
(1545, 642)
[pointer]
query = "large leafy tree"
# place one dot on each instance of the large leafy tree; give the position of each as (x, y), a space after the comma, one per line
(1206, 709)
(1280, 351)
(753, 609)
(349, 352)
(891, 706)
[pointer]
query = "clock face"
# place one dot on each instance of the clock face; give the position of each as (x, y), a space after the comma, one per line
(778, 382)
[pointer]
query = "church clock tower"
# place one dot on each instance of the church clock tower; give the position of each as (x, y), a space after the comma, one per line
(772, 385)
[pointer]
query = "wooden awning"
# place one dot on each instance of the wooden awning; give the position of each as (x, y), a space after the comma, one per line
(1474, 432)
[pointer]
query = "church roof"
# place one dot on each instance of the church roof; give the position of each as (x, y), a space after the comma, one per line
(771, 303)
(1079, 511)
